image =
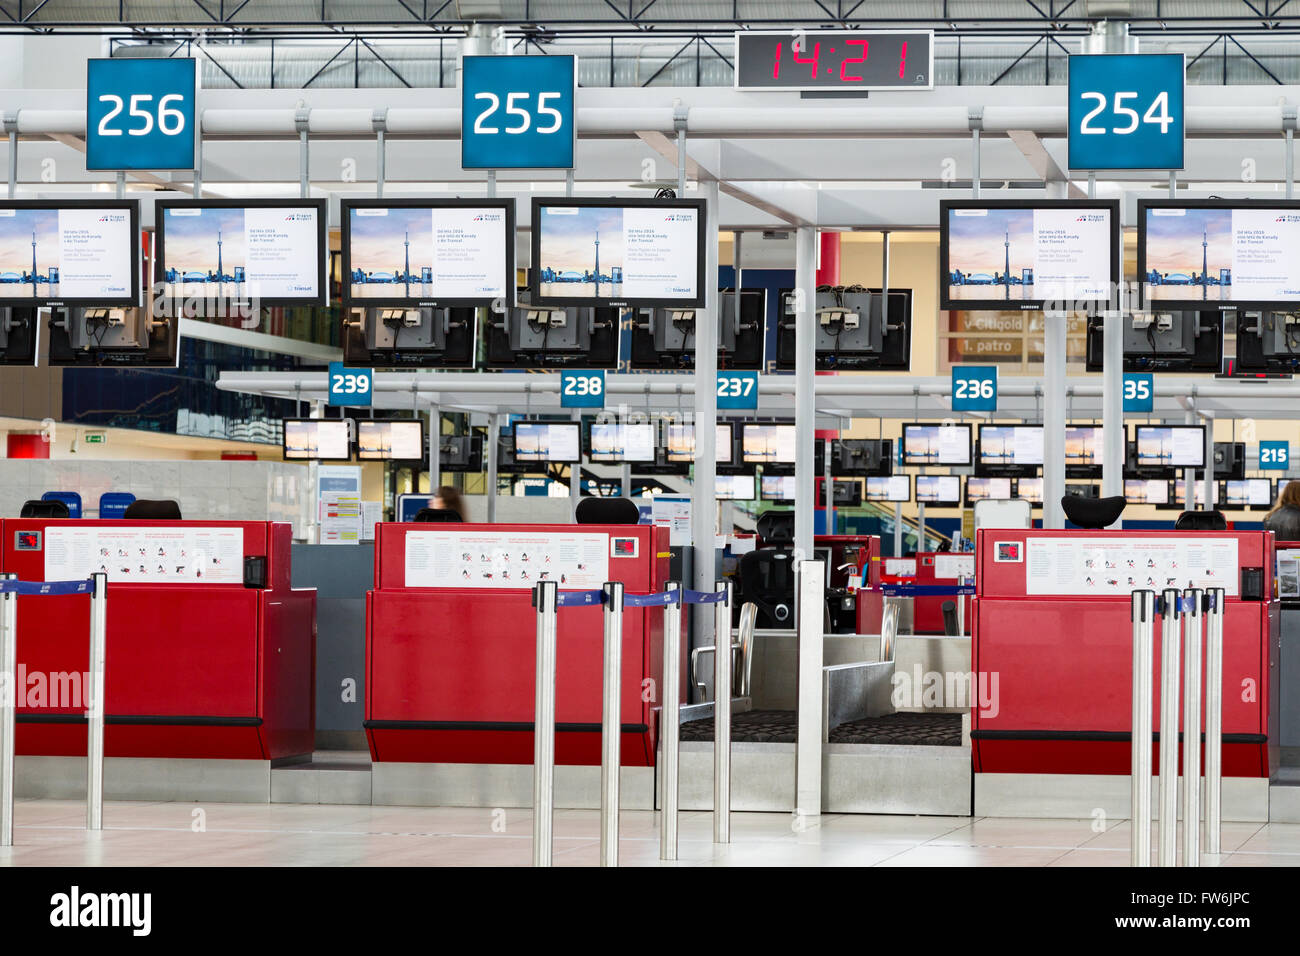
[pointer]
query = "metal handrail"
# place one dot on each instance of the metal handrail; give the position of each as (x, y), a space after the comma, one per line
(742, 654)
(889, 627)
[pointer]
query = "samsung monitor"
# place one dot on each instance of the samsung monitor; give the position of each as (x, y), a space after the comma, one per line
(1030, 489)
(556, 443)
(854, 330)
(266, 252)
(862, 457)
(762, 444)
(1170, 446)
(983, 489)
(1084, 451)
(680, 442)
(390, 440)
(847, 493)
(1198, 492)
(69, 252)
(941, 490)
(1146, 491)
(1010, 450)
(618, 442)
(891, 488)
(1255, 494)
(619, 252)
(461, 453)
(317, 439)
(428, 252)
(735, 487)
(1026, 254)
(936, 444)
(1219, 253)
(777, 488)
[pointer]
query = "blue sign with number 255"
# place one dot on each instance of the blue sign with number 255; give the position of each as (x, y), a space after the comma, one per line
(516, 112)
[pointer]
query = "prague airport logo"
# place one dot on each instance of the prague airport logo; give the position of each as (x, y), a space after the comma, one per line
(113, 217)
(1091, 217)
(1288, 217)
(299, 217)
(679, 217)
(488, 217)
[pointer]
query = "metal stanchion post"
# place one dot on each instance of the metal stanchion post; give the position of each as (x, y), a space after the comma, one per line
(8, 702)
(1142, 614)
(611, 724)
(1214, 716)
(1193, 625)
(722, 717)
(544, 599)
(669, 701)
(95, 710)
(1170, 652)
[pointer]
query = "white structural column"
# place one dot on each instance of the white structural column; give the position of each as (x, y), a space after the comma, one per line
(1112, 407)
(805, 414)
(1189, 474)
(1054, 328)
(704, 507)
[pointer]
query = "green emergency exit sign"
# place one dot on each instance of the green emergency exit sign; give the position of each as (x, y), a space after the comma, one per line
(95, 438)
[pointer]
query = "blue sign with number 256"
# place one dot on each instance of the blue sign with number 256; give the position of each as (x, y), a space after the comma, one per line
(140, 113)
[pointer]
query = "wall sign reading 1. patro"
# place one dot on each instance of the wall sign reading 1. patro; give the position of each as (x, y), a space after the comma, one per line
(140, 114)
(1126, 111)
(517, 112)
(834, 60)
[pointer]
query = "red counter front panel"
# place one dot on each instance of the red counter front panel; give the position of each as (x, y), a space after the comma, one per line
(196, 669)
(1057, 668)
(450, 671)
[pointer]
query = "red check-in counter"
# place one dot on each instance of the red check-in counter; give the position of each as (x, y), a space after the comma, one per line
(1052, 644)
(198, 664)
(451, 640)
(930, 569)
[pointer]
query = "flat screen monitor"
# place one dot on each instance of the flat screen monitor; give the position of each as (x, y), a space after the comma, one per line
(622, 442)
(71, 252)
(1171, 446)
(1253, 493)
(1146, 491)
(1017, 254)
(777, 488)
(847, 493)
(941, 490)
(936, 444)
(1180, 491)
(735, 487)
(889, 488)
(1083, 446)
(379, 440)
(1030, 489)
(1207, 254)
(547, 442)
(317, 439)
(428, 252)
(767, 444)
(680, 442)
(981, 489)
(1011, 444)
(618, 252)
(270, 252)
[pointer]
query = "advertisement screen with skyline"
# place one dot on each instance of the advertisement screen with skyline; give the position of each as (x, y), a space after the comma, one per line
(69, 253)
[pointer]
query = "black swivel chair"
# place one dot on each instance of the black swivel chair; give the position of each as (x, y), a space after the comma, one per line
(765, 576)
(38, 508)
(1094, 514)
(146, 509)
(1201, 521)
(607, 511)
(437, 514)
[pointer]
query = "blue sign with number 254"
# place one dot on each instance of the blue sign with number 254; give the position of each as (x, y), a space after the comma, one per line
(1126, 111)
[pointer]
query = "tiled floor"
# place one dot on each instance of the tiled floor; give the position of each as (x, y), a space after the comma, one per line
(51, 833)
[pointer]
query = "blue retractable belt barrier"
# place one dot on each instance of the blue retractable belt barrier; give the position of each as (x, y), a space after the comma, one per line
(662, 599)
(579, 598)
(47, 587)
(704, 597)
(922, 590)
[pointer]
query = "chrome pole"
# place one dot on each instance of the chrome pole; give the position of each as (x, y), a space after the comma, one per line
(1214, 716)
(1170, 652)
(8, 703)
(95, 708)
(544, 725)
(611, 724)
(669, 701)
(1194, 617)
(722, 716)
(1142, 615)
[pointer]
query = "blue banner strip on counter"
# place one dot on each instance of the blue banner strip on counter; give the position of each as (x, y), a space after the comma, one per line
(579, 598)
(662, 599)
(925, 590)
(47, 587)
(704, 597)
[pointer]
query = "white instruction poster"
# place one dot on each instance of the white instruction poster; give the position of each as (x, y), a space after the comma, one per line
(901, 567)
(674, 513)
(1108, 566)
(952, 566)
(128, 554)
(506, 559)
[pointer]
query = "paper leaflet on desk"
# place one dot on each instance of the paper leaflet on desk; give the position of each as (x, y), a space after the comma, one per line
(1111, 566)
(147, 555)
(506, 559)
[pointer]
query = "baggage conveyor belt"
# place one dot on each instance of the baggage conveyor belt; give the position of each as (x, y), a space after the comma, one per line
(778, 726)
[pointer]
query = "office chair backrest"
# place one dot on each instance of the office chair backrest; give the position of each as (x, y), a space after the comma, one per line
(148, 509)
(1201, 521)
(775, 527)
(437, 514)
(1093, 513)
(766, 580)
(607, 511)
(44, 509)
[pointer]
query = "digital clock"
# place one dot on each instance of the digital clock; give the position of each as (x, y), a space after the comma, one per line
(834, 60)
